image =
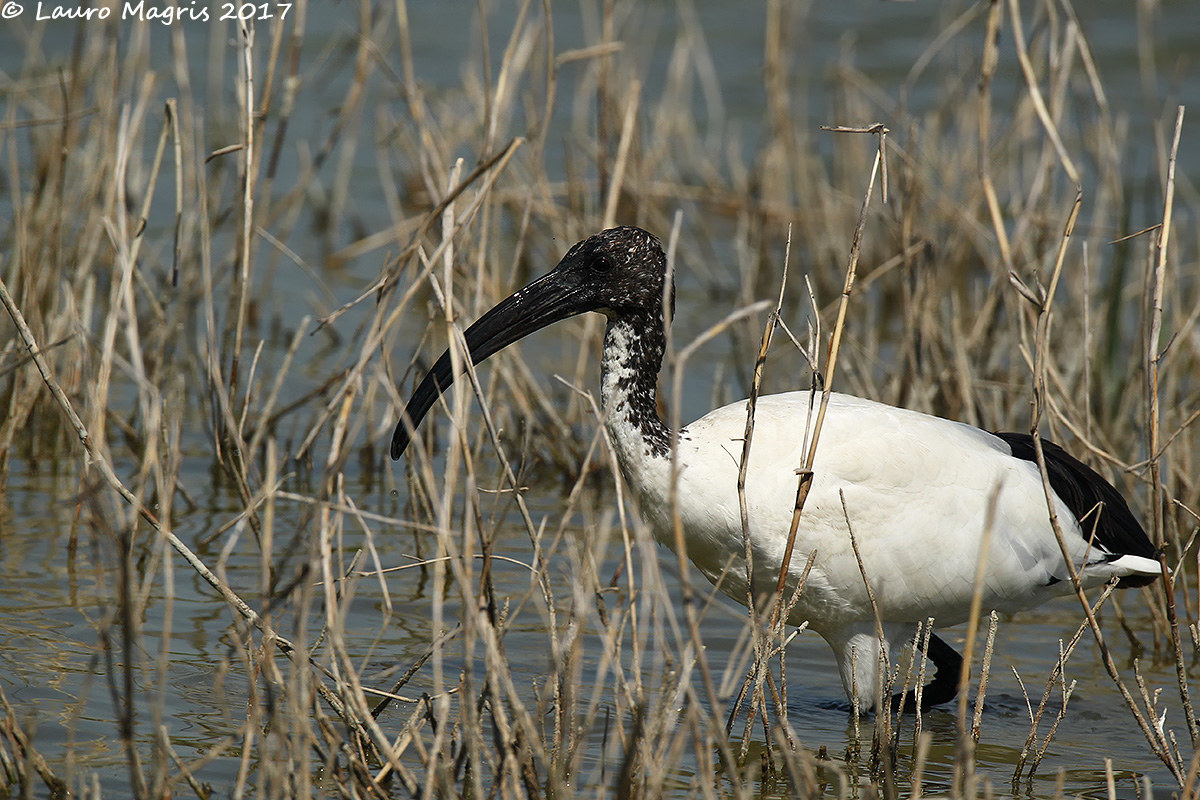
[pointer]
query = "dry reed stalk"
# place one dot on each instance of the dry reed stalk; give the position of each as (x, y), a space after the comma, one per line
(654, 690)
(805, 472)
(18, 755)
(984, 671)
(1154, 737)
(756, 614)
(1154, 357)
(678, 362)
(249, 165)
(1057, 678)
(270, 637)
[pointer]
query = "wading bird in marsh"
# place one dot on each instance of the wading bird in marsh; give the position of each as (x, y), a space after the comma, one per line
(919, 493)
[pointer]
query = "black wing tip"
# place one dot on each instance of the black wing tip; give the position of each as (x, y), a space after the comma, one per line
(1136, 581)
(1084, 490)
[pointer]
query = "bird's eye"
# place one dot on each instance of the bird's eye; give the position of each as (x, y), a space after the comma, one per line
(602, 264)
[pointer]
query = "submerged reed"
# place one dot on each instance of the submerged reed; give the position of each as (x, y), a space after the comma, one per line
(172, 215)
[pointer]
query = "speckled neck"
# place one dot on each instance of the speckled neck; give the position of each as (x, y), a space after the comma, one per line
(633, 353)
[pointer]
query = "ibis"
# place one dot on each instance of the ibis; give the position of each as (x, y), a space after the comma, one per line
(920, 498)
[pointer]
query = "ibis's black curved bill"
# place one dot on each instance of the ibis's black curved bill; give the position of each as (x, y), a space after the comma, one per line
(553, 297)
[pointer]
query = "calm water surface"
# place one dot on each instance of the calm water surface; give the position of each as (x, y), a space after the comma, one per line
(53, 601)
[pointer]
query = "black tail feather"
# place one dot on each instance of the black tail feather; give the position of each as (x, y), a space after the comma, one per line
(1096, 504)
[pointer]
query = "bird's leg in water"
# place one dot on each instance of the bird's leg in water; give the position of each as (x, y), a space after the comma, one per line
(943, 688)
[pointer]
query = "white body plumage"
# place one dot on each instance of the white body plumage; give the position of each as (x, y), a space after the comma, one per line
(921, 494)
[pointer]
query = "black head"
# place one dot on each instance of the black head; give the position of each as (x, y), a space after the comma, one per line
(618, 272)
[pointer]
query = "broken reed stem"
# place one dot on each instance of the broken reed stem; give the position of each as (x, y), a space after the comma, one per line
(761, 662)
(847, 289)
(1154, 357)
(249, 160)
(679, 362)
(883, 665)
(760, 363)
(805, 473)
(1041, 349)
(804, 483)
(984, 671)
(967, 740)
(987, 71)
(1056, 674)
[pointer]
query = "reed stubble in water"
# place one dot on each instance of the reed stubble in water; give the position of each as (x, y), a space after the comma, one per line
(153, 229)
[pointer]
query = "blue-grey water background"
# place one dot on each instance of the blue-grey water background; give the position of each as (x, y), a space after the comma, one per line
(49, 611)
